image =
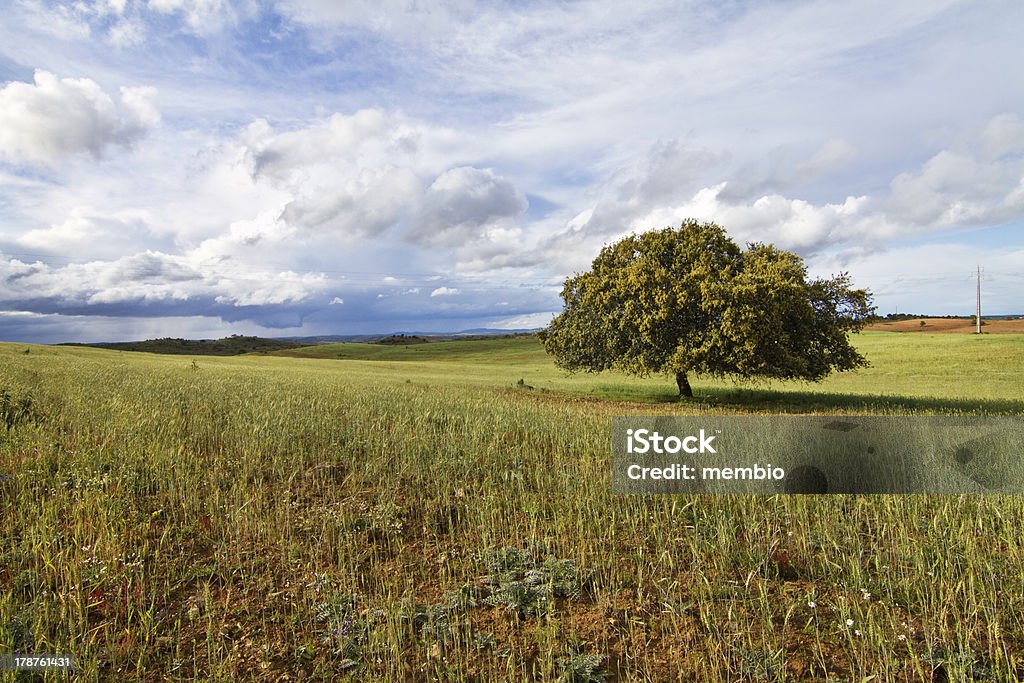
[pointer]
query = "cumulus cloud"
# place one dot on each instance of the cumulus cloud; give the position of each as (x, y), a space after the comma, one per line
(53, 118)
(164, 283)
(977, 184)
(978, 180)
(793, 224)
(354, 176)
(778, 121)
(88, 230)
(461, 203)
(279, 156)
(364, 206)
(357, 176)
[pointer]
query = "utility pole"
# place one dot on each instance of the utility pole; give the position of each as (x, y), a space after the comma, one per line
(978, 313)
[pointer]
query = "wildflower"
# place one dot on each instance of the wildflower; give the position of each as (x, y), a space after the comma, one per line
(812, 604)
(849, 622)
(901, 638)
(857, 633)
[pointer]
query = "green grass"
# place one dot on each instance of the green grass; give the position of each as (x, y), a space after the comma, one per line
(410, 514)
(942, 373)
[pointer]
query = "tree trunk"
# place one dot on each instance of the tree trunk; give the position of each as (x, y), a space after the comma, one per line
(684, 385)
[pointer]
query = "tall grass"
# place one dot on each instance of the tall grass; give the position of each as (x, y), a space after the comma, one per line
(263, 518)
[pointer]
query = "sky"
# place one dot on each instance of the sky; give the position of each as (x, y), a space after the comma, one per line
(199, 168)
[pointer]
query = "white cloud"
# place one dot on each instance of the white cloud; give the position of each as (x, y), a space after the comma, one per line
(671, 167)
(354, 176)
(935, 278)
(358, 176)
(111, 6)
(52, 118)
(151, 278)
(789, 223)
(65, 22)
(1003, 135)
(126, 33)
(201, 16)
(979, 180)
(961, 187)
(86, 229)
(406, 18)
(832, 155)
(462, 203)
(528, 321)
(826, 129)
(444, 291)
(364, 206)
(278, 156)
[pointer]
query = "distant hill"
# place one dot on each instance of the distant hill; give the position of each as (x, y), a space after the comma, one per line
(507, 349)
(234, 345)
(428, 336)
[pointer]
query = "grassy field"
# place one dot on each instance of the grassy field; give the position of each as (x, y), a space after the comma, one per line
(414, 513)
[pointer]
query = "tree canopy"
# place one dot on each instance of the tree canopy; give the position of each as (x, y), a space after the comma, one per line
(689, 300)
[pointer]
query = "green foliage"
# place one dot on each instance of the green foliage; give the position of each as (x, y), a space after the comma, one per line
(14, 409)
(526, 586)
(582, 668)
(403, 339)
(690, 300)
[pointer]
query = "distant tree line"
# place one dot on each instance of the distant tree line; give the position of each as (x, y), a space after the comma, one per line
(897, 317)
(234, 345)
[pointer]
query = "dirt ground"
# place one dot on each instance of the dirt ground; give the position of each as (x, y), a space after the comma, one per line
(957, 325)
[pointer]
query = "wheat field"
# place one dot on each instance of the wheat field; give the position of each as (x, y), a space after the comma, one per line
(442, 512)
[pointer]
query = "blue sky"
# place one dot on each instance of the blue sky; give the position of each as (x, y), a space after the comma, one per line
(199, 168)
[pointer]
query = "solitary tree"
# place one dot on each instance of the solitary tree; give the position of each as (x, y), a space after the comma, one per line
(690, 301)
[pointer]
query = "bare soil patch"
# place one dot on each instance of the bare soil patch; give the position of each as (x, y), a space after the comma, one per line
(955, 325)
